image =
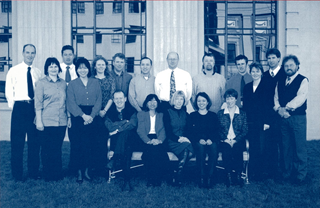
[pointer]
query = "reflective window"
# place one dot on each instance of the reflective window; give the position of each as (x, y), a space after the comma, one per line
(5, 36)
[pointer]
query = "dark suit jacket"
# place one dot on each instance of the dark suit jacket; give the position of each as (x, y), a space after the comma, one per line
(144, 126)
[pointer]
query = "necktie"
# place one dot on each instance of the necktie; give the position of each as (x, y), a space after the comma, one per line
(272, 74)
(30, 84)
(172, 84)
(68, 76)
(242, 85)
(288, 81)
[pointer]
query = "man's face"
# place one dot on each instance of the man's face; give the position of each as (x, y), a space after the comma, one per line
(173, 60)
(119, 100)
(290, 67)
(208, 63)
(241, 66)
(119, 64)
(273, 61)
(28, 55)
(67, 57)
(145, 66)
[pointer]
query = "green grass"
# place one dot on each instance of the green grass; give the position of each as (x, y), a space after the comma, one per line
(99, 193)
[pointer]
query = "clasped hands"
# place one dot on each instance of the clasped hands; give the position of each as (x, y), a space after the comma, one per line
(282, 111)
(183, 139)
(231, 142)
(87, 119)
(154, 142)
(204, 142)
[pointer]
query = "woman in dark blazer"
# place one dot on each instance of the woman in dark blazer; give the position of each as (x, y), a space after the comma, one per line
(151, 131)
(233, 129)
(253, 105)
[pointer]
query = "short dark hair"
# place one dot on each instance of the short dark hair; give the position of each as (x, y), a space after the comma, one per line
(67, 47)
(119, 55)
(257, 66)
(118, 91)
(209, 55)
(86, 63)
(49, 61)
(231, 93)
(240, 57)
(146, 58)
(206, 96)
(29, 44)
(274, 51)
(149, 98)
(94, 62)
(293, 57)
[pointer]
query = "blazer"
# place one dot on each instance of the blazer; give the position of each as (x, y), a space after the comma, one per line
(144, 126)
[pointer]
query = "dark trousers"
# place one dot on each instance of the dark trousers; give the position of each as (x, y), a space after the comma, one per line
(294, 133)
(232, 156)
(51, 143)
(201, 152)
(71, 135)
(22, 119)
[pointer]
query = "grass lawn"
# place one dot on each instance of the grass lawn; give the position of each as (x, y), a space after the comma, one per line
(99, 193)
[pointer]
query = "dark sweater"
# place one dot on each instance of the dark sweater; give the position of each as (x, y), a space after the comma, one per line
(175, 122)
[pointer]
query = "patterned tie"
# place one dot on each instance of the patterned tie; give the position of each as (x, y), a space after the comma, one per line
(272, 74)
(288, 81)
(172, 84)
(68, 76)
(30, 84)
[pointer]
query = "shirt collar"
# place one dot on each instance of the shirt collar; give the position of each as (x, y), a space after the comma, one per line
(63, 65)
(275, 71)
(226, 110)
(26, 65)
(293, 76)
(117, 74)
(50, 80)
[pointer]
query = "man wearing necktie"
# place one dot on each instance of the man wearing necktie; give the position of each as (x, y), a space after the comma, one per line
(290, 101)
(68, 74)
(20, 93)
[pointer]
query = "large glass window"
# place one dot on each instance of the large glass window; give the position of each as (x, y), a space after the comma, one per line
(109, 27)
(239, 27)
(5, 36)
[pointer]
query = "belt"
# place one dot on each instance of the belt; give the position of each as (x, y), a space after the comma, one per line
(25, 101)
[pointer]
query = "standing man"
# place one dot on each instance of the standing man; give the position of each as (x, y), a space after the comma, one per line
(68, 69)
(141, 85)
(210, 82)
(171, 80)
(239, 80)
(272, 149)
(119, 73)
(20, 95)
(290, 101)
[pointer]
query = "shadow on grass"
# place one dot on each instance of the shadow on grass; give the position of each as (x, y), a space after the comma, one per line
(99, 193)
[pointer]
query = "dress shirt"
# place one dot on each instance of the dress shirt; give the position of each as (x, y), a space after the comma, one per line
(139, 89)
(122, 81)
(152, 125)
(79, 94)
(213, 85)
(50, 99)
(231, 134)
(72, 71)
(16, 83)
(183, 82)
(298, 100)
(275, 71)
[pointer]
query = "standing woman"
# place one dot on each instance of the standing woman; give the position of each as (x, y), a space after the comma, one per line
(233, 129)
(51, 118)
(151, 131)
(84, 103)
(175, 121)
(203, 127)
(108, 87)
(253, 105)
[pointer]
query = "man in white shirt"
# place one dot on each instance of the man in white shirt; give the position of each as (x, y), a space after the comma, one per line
(20, 84)
(171, 80)
(68, 69)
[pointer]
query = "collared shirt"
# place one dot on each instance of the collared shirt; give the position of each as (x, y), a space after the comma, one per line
(50, 99)
(275, 71)
(235, 83)
(72, 71)
(122, 81)
(139, 89)
(17, 84)
(183, 82)
(231, 134)
(213, 85)
(298, 100)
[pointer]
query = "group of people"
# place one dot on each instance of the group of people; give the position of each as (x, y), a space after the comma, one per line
(149, 114)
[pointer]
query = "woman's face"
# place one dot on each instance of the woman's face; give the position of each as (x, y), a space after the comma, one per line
(256, 73)
(231, 101)
(202, 103)
(100, 66)
(178, 102)
(152, 104)
(83, 71)
(53, 70)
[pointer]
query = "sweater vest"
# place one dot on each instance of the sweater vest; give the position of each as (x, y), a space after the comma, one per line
(287, 93)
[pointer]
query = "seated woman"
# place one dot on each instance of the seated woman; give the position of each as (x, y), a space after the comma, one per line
(233, 129)
(175, 122)
(51, 118)
(203, 128)
(151, 131)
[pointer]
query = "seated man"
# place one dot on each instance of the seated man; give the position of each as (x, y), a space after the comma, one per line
(120, 121)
